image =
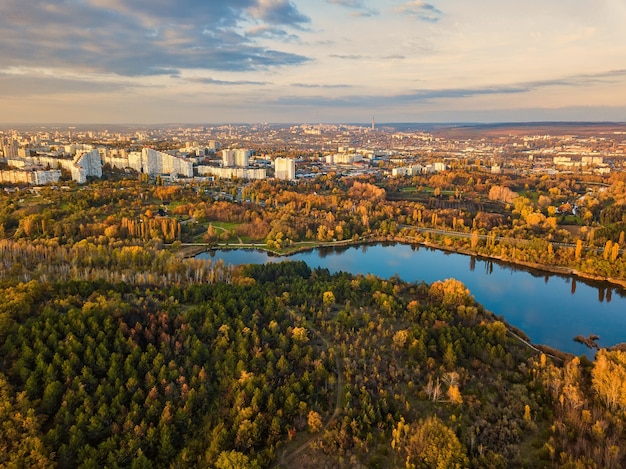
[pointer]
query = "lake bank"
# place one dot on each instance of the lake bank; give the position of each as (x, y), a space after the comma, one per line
(193, 250)
(551, 308)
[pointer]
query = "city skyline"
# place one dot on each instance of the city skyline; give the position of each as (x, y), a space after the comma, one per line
(122, 61)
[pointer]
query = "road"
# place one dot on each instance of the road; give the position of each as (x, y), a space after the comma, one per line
(463, 234)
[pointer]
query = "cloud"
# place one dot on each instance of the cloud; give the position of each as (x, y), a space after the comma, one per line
(37, 82)
(424, 11)
(348, 56)
(146, 37)
(316, 85)
(347, 3)
(365, 57)
(212, 81)
(358, 7)
(587, 79)
(372, 101)
(270, 32)
(278, 12)
(428, 95)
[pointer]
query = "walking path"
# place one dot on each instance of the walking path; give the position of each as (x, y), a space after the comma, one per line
(286, 457)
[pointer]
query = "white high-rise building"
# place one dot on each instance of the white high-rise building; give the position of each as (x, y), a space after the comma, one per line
(115, 158)
(32, 176)
(237, 157)
(91, 161)
(228, 158)
(134, 161)
(86, 163)
(241, 157)
(9, 147)
(83, 165)
(241, 173)
(154, 162)
(285, 168)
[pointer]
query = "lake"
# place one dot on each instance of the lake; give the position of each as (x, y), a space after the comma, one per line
(551, 309)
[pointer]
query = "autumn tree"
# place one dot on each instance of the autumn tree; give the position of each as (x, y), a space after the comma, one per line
(314, 421)
(609, 378)
(328, 298)
(429, 444)
(450, 292)
(234, 460)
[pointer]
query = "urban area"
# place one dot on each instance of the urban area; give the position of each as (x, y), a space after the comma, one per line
(123, 345)
(38, 156)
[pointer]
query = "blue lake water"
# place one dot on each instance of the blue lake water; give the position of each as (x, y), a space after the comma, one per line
(551, 309)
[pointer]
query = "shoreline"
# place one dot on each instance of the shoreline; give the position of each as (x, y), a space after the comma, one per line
(188, 251)
(550, 351)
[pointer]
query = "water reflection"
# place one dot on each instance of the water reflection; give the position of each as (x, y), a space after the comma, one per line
(551, 308)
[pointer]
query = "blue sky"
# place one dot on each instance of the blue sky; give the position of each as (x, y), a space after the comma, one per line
(220, 61)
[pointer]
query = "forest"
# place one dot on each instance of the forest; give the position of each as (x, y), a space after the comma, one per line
(282, 361)
(119, 351)
(573, 224)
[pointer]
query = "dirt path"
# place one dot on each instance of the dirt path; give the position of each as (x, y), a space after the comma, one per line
(531, 346)
(225, 230)
(286, 457)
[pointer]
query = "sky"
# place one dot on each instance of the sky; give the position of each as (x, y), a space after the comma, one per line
(311, 61)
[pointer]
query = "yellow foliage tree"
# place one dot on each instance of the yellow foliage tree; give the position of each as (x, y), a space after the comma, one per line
(450, 292)
(399, 338)
(609, 378)
(579, 249)
(429, 444)
(300, 334)
(454, 394)
(328, 298)
(314, 421)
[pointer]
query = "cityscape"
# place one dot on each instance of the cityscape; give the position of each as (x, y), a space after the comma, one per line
(132, 229)
(347, 234)
(248, 152)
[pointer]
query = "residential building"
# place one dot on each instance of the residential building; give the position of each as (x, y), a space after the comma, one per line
(155, 162)
(228, 173)
(285, 168)
(32, 176)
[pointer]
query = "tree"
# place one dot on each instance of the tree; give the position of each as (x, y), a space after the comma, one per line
(474, 239)
(314, 421)
(328, 298)
(300, 335)
(234, 460)
(211, 234)
(455, 395)
(450, 292)
(20, 439)
(51, 399)
(502, 194)
(400, 338)
(429, 444)
(609, 378)
(579, 249)
(449, 358)
(614, 252)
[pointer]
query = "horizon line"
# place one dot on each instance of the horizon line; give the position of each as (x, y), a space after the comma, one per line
(364, 123)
